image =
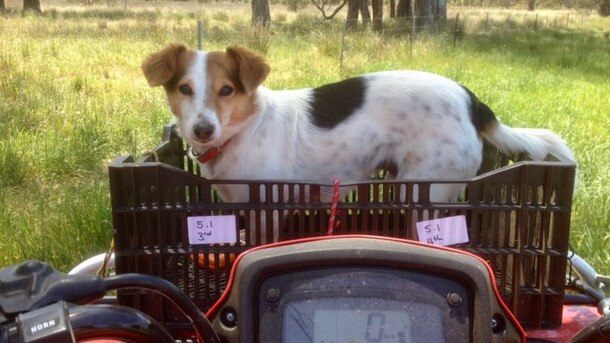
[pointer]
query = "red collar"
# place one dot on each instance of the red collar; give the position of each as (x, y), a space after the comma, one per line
(210, 154)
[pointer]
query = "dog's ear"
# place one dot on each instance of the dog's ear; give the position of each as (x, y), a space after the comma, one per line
(253, 69)
(160, 67)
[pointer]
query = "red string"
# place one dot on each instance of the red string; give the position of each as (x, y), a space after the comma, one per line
(333, 223)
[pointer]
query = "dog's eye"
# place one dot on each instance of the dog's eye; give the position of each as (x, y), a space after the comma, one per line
(185, 89)
(226, 91)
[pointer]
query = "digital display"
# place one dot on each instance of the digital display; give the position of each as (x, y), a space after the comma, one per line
(335, 326)
(366, 320)
(361, 305)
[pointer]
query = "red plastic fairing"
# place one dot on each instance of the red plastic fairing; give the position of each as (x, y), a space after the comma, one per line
(575, 318)
(225, 295)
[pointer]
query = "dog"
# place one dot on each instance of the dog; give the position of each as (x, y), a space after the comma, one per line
(416, 125)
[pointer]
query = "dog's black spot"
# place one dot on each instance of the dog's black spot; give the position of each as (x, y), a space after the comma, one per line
(333, 103)
(481, 115)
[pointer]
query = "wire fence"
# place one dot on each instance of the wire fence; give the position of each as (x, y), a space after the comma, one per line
(454, 28)
(519, 21)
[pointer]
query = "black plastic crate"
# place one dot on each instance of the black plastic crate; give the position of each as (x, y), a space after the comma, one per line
(518, 218)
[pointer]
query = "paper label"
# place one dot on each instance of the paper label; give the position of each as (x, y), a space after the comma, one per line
(444, 231)
(212, 230)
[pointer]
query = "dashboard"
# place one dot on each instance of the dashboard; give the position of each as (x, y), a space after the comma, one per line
(349, 289)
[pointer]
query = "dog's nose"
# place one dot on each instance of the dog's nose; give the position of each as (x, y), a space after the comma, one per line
(203, 132)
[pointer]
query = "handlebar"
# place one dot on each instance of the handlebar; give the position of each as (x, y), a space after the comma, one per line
(39, 304)
(588, 282)
(60, 323)
(200, 322)
(116, 322)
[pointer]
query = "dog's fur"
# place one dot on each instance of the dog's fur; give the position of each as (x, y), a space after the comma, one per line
(414, 124)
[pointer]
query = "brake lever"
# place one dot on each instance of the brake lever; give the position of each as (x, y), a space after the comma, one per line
(603, 282)
(32, 285)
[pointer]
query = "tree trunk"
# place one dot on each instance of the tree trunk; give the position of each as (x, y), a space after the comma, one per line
(604, 8)
(377, 15)
(441, 12)
(2, 6)
(32, 5)
(531, 5)
(430, 14)
(353, 7)
(261, 15)
(364, 12)
(403, 10)
(392, 9)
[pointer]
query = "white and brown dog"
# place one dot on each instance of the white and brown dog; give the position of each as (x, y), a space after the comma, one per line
(414, 124)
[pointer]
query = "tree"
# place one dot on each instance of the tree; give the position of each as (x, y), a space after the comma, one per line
(403, 9)
(323, 6)
(531, 5)
(430, 13)
(2, 6)
(32, 5)
(364, 12)
(377, 15)
(352, 14)
(260, 13)
(604, 8)
(426, 13)
(355, 7)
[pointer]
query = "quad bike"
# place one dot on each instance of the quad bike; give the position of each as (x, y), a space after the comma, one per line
(350, 288)
(365, 280)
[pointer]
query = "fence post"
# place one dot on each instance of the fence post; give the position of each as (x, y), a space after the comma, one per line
(411, 33)
(536, 23)
(342, 47)
(200, 35)
(412, 38)
(455, 29)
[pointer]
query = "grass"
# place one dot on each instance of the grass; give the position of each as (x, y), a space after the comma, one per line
(72, 97)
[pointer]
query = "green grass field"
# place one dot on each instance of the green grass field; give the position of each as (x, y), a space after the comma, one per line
(72, 97)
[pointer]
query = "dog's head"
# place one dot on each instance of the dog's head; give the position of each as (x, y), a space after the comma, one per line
(209, 93)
